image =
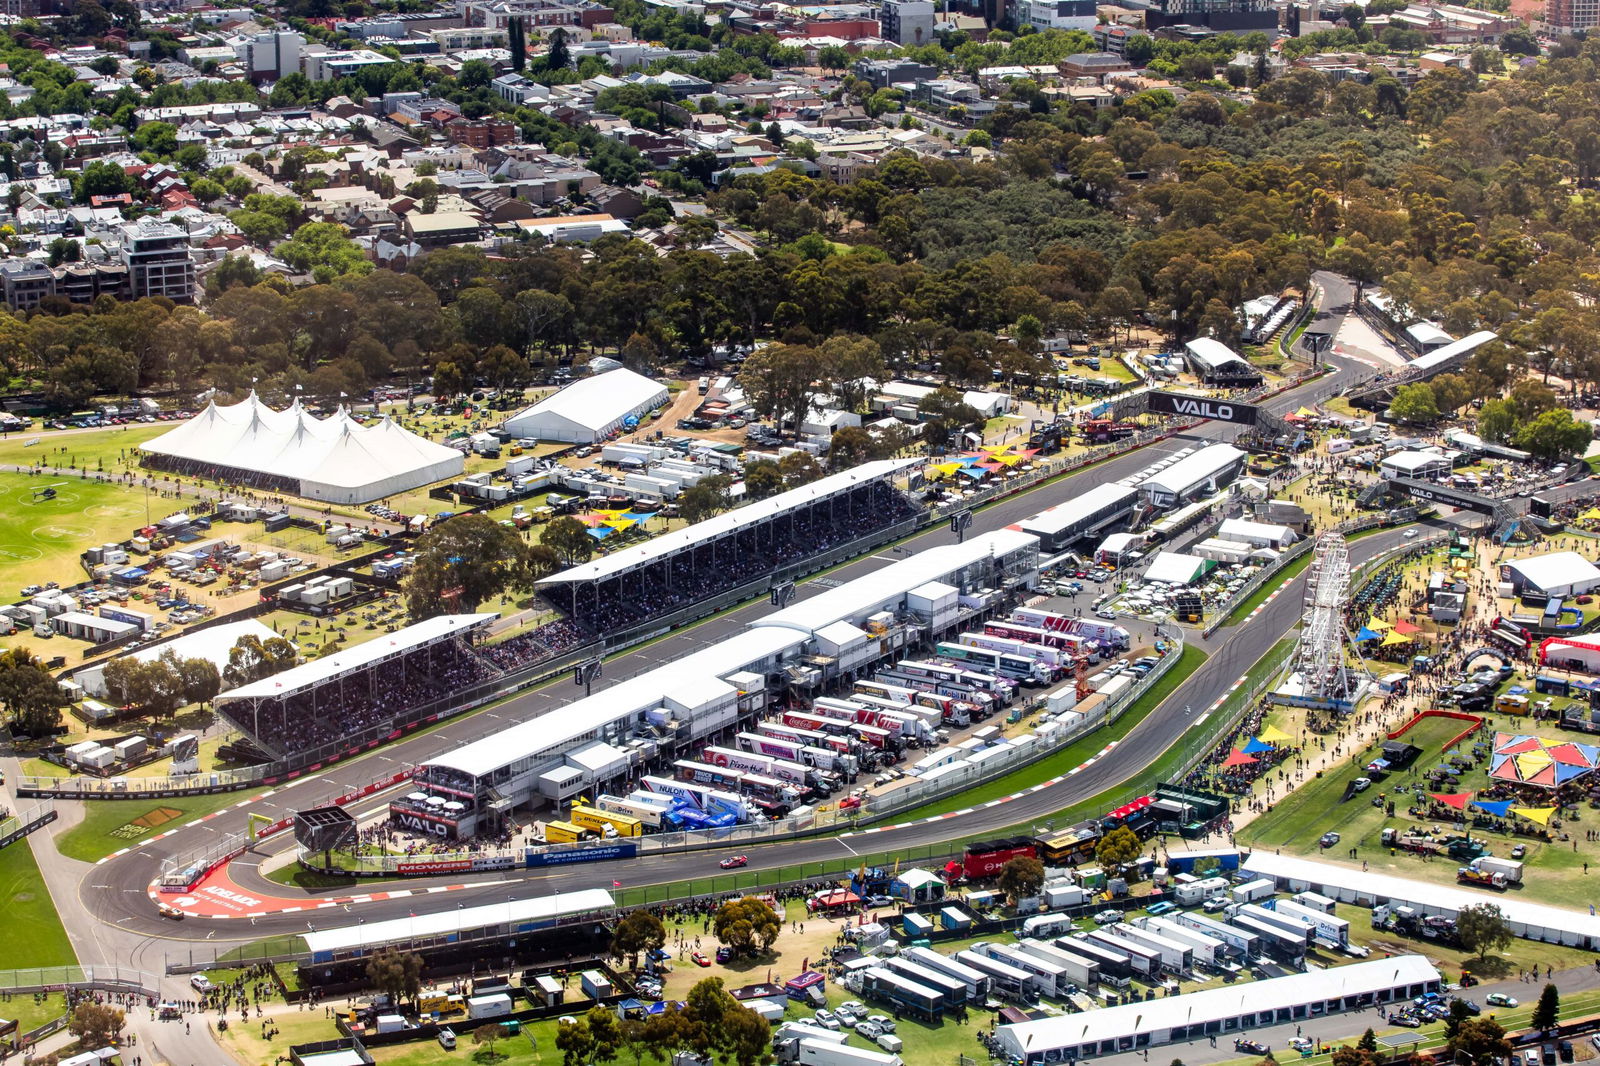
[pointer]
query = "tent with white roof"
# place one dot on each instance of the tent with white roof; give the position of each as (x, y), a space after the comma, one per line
(336, 459)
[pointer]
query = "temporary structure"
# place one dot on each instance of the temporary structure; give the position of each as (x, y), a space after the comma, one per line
(335, 459)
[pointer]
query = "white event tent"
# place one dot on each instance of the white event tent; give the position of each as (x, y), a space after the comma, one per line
(335, 459)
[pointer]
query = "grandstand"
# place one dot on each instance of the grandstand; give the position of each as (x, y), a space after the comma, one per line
(687, 565)
(356, 695)
(1381, 390)
(663, 713)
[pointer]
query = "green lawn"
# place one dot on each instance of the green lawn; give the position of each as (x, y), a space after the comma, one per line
(1556, 870)
(40, 540)
(34, 934)
(105, 449)
(1073, 753)
(110, 825)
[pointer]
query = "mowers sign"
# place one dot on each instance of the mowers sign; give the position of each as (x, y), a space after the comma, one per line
(1176, 403)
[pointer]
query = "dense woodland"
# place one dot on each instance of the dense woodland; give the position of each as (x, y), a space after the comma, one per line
(1471, 197)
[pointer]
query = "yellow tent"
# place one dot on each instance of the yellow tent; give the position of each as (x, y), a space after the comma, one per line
(618, 523)
(1378, 624)
(1591, 514)
(1306, 412)
(1394, 638)
(1535, 814)
(1531, 762)
(1273, 735)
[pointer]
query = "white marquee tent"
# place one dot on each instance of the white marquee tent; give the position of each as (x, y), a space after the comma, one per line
(588, 409)
(336, 459)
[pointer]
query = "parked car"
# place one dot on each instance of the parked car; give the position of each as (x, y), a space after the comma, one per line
(1328, 840)
(1405, 1020)
(200, 983)
(1253, 1047)
(700, 959)
(1106, 917)
(1500, 999)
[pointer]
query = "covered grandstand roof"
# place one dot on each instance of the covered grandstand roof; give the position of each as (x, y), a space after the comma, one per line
(1460, 349)
(868, 592)
(334, 458)
(691, 678)
(315, 672)
(464, 920)
(669, 544)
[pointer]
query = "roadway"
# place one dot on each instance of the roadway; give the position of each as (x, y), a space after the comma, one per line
(108, 912)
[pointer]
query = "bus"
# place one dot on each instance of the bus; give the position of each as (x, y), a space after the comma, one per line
(1015, 667)
(1070, 846)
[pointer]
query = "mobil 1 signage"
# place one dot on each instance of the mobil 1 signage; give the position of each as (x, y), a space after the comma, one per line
(1177, 403)
(1432, 493)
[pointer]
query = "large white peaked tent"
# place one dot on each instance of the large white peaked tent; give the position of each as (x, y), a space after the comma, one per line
(336, 459)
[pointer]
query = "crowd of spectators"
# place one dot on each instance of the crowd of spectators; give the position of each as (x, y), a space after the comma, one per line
(716, 566)
(357, 708)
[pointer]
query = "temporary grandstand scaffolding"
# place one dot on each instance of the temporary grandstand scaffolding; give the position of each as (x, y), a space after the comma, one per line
(262, 708)
(1325, 678)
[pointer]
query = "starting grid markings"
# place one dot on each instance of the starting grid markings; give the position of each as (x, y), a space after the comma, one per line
(188, 902)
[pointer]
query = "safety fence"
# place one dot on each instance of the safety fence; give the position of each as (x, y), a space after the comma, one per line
(107, 978)
(18, 826)
(1068, 727)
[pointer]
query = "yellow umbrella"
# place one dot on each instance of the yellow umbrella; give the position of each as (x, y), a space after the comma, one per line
(1535, 814)
(1273, 735)
(1377, 623)
(1394, 638)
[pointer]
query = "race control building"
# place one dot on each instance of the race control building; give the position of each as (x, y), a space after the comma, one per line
(334, 459)
(590, 408)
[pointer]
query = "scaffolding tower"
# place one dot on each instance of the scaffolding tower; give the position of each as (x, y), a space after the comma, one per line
(1325, 678)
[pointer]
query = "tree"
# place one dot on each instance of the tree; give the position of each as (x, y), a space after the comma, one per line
(252, 659)
(95, 1024)
(704, 498)
(1459, 1012)
(199, 679)
(1368, 1041)
(762, 478)
(748, 926)
(1479, 1040)
(1553, 435)
(322, 250)
(747, 1037)
(1414, 403)
(465, 561)
(1548, 1010)
(574, 1042)
(1353, 1056)
(569, 539)
(1482, 928)
(153, 689)
(945, 412)
(398, 973)
(1519, 42)
(1021, 877)
(780, 381)
(1497, 421)
(638, 932)
(29, 694)
(486, 1035)
(1118, 848)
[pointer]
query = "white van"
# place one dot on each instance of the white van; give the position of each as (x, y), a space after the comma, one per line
(447, 1038)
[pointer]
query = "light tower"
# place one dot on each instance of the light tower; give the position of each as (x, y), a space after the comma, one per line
(1319, 658)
